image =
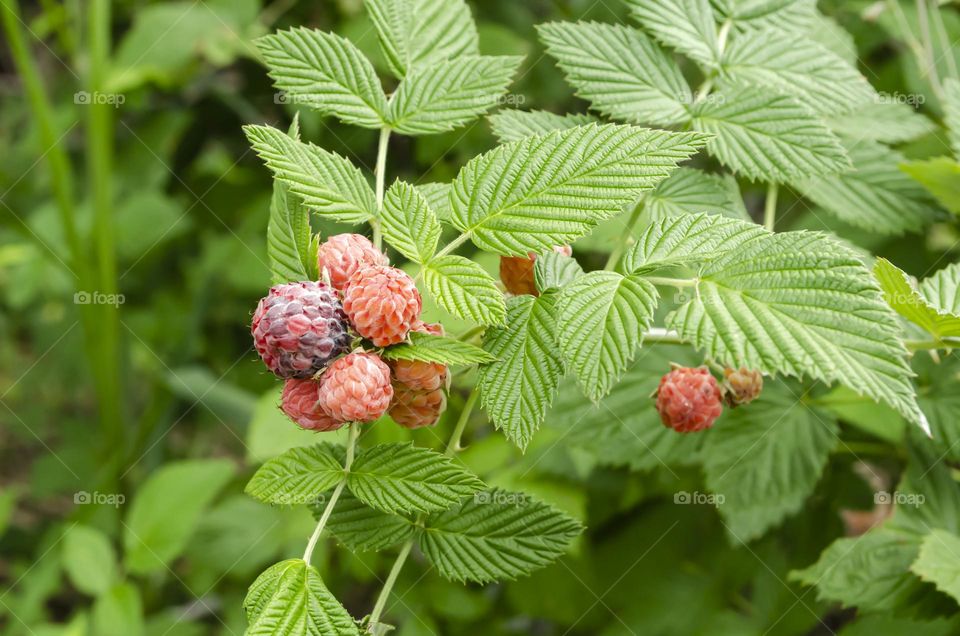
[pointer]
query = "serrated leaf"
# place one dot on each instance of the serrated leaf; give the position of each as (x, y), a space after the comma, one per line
(875, 195)
(430, 348)
(408, 223)
(691, 191)
(422, 32)
(560, 185)
(441, 97)
(554, 271)
(362, 528)
(765, 459)
(290, 245)
(298, 476)
(782, 15)
(939, 562)
(951, 113)
(516, 389)
(685, 25)
(620, 71)
(495, 536)
(438, 198)
(326, 182)
(768, 136)
(901, 294)
(513, 125)
(326, 72)
(942, 289)
(401, 478)
(290, 599)
(883, 121)
(941, 178)
(464, 289)
(601, 321)
(797, 66)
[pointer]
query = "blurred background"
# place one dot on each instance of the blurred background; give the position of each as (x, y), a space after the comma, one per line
(133, 408)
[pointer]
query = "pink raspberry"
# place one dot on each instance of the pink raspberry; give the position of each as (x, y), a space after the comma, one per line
(343, 254)
(416, 374)
(298, 328)
(416, 409)
(382, 303)
(516, 272)
(356, 388)
(741, 386)
(301, 403)
(689, 399)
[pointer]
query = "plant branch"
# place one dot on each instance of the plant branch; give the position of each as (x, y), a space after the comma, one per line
(672, 282)
(625, 238)
(379, 175)
(770, 207)
(453, 446)
(332, 502)
(659, 335)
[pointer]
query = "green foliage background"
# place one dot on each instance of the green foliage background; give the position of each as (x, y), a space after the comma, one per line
(142, 528)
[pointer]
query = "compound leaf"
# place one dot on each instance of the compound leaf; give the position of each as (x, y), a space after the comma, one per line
(298, 476)
(464, 289)
(513, 125)
(685, 25)
(408, 223)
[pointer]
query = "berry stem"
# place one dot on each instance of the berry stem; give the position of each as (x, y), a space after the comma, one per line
(770, 207)
(453, 446)
(328, 510)
(379, 175)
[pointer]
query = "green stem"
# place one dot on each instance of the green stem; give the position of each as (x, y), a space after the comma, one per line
(388, 585)
(469, 334)
(936, 343)
(659, 335)
(770, 207)
(945, 42)
(379, 174)
(625, 238)
(928, 60)
(453, 446)
(454, 244)
(335, 496)
(671, 282)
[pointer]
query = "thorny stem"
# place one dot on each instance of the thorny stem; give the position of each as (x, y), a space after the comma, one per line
(625, 238)
(379, 175)
(770, 207)
(328, 510)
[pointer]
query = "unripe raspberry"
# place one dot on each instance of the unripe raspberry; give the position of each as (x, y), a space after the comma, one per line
(689, 400)
(416, 409)
(298, 328)
(516, 272)
(301, 403)
(343, 254)
(356, 388)
(382, 303)
(741, 386)
(418, 375)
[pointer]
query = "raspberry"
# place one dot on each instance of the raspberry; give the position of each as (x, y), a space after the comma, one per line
(298, 328)
(741, 387)
(418, 375)
(516, 272)
(382, 303)
(342, 255)
(356, 388)
(689, 399)
(301, 403)
(416, 409)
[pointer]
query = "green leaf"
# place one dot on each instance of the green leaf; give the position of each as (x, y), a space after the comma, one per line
(362, 528)
(326, 72)
(430, 348)
(166, 510)
(886, 122)
(444, 96)
(516, 389)
(408, 223)
(398, 478)
(290, 599)
(620, 71)
(561, 184)
(496, 535)
(901, 294)
(939, 562)
(779, 15)
(875, 195)
(118, 612)
(765, 460)
(601, 321)
(555, 271)
(464, 289)
(298, 476)
(513, 125)
(768, 136)
(942, 289)
(89, 560)
(290, 245)
(797, 66)
(951, 108)
(327, 182)
(422, 32)
(941, 178)
(438, 198)
(685, 25)
(796, 303)
(691, 191)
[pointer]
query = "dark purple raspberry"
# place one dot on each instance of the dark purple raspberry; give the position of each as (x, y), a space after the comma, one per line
(298, 328)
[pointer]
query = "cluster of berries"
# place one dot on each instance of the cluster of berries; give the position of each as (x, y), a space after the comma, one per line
(305, 333)
(691, 399)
